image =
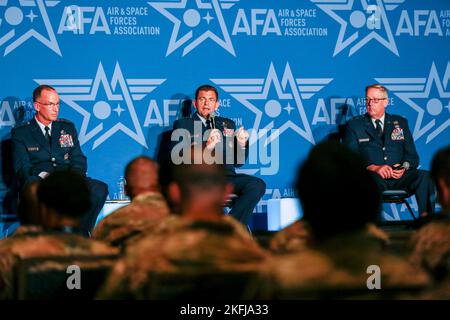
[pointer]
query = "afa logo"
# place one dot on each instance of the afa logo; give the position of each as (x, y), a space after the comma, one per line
(361, 21)
(107, 106)
(196, 21)
(21, 20)
(277, 102)
(429, 97)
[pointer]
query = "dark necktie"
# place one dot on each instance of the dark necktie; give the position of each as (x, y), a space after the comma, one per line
(47, 135)
(208, 124)
(379, 128)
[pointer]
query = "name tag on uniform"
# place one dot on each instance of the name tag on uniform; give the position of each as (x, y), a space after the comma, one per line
(364, 140)
(397, 134)
(65, 141)
(33, 149)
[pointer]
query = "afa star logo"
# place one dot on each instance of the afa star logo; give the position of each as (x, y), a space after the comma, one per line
(429, 97)
(277, 102)
(107, 107)
(195, 21)
(22, 20)
(361, 21)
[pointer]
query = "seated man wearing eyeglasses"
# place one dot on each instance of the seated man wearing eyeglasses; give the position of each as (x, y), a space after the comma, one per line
(386, 143)
(46, 144)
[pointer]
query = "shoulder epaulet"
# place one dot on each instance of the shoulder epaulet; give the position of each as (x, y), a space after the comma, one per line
(23, 124)
(356, 118)
(397, 116)
(64, 120)
(225, 119)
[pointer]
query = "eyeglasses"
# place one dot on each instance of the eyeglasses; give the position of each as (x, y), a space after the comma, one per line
(50, 104)
(204, 100)
(375, 100)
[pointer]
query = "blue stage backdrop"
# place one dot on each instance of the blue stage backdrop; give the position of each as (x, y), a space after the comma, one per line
(124, 70)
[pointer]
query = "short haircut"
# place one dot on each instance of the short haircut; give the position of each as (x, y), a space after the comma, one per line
(206, 87)
(66, 192)
(336, 191)
(132, 163)
(440, 166)
(189, 176)
(38, 91)
(379, 87)
(141, 174)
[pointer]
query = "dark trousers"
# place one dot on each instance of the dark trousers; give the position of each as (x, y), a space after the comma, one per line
(98, 191)
(249, 190)
(413, 181)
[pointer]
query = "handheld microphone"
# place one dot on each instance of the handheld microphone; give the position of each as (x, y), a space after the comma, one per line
(213, 122)
(406, 165)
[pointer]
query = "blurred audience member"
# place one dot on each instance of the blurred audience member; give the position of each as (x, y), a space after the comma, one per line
(199, 238)
(340, 200)
(147, 208)
(63, 199)
(431, 243)
(298, 237)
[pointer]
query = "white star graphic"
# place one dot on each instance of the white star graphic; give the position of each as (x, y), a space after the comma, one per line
(117, 90)
(118, 109)
(13, 19)
(286, 89)
(191, 19)
(208, 18)
(358, 20)
(31, 16)
(409, 89)
(288, 108)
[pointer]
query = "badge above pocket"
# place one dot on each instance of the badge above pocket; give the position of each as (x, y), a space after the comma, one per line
(65, 140)
(397, 134)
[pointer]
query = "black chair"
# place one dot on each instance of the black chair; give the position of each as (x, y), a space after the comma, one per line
(40, 278)
(398, 196)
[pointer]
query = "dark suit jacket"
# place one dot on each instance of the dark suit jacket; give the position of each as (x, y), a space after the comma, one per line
(397, 147)
(229, 144)
(33, 155)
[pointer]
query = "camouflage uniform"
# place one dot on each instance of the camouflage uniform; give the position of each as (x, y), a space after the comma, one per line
(182, 245)
(32, 242)
(298, 237)
(143, 213)
(431, 251)
(337, 268)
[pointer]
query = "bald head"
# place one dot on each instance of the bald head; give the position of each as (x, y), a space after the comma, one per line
(141, 175)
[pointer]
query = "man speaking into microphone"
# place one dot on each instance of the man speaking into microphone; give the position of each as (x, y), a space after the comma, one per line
(221, 134)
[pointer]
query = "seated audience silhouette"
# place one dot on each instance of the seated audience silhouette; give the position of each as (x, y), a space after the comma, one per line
(147, 208)
(339, 199)
(197, 246)
(431, 243)
(63, 199)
